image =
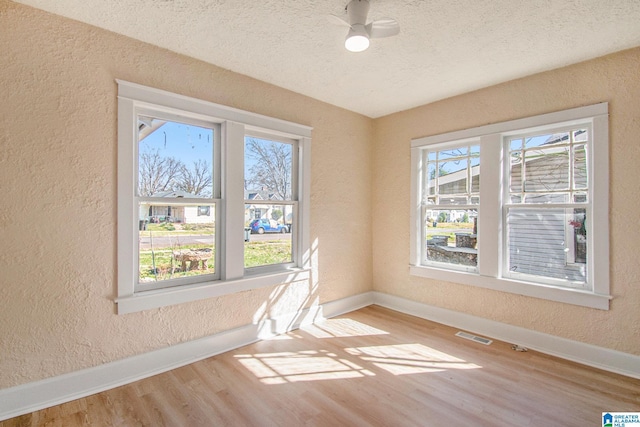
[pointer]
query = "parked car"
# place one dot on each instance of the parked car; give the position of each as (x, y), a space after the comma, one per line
(263, 225)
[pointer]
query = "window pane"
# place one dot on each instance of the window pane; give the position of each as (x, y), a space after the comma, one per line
(515, 144)
(546, 139)
(267, 168)
(453, 153)
(581, 135)
(268, 230)
(515, 175)
(580, 197)
(578, 236)
(431, 185)
(451, 236)
(453, 177)
(549, 168)
(268, 224)
(174, 159)
(544, 243)
(447, 179)
(546, 170)
(475, 180)
(579, 167)
(175, 241)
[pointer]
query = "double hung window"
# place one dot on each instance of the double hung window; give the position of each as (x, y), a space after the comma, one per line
(519, 206)
(177, 197)
(450, 200)
(211, 200)
(546, 206)
(270, 202)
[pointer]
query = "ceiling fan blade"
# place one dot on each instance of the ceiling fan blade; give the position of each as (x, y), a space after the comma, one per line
(384, 27)
(335, 19)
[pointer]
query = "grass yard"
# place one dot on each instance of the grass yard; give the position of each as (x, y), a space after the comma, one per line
(160, 263)
(447, 229)
(267, 252)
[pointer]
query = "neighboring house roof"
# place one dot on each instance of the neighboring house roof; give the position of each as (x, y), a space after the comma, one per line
(175, 193)
(564, 136)
(148, 125)
(475, 170)
(259, 195)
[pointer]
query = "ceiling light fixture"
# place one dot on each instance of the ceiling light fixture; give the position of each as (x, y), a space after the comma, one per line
(357, 40)
(361, 30)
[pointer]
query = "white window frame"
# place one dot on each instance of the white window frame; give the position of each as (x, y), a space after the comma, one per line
(568, 206)
(490, 213)
(267, 268)
(425, 208)
(213, 200)
(232, 124)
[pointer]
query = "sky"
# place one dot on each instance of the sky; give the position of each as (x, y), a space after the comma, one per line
(185, 142)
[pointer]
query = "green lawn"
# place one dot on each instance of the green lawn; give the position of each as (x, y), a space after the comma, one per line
(266, 252)
(443, 229)
(166, 266)
(456, 225)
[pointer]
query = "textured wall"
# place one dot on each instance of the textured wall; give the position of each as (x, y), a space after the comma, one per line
(613, 79)
(58, 179)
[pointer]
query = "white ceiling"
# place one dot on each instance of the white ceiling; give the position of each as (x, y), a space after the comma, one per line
(445, 47)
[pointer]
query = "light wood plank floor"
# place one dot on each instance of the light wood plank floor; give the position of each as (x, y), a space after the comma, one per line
(371, 367)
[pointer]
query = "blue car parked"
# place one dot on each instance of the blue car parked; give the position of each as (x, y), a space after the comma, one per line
(263, 225)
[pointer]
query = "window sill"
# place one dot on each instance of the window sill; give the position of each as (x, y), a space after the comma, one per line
(177, 295)
(552, 293)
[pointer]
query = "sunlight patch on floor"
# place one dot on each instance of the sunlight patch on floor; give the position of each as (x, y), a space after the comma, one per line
(402, 359)
(285, 367)
(331, 328)
(352, 362)
(282, 337)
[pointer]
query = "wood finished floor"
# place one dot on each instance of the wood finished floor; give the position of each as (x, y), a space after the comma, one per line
(371, 367)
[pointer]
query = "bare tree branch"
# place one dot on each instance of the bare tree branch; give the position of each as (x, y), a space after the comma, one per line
(272, 170)
(197, 180)
(157, 173)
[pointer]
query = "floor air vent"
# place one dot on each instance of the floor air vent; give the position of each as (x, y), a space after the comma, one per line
(471, 337)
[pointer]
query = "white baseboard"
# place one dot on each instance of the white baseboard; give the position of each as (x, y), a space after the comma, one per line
(64, 388)
(37, 395)
(586, 354)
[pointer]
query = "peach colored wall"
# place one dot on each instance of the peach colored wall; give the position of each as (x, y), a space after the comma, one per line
(58, 179)
(614, 79)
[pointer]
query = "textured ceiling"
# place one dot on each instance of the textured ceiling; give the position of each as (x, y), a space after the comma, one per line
(445, 47)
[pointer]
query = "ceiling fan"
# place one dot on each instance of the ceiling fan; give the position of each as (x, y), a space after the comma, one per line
(359, 30)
